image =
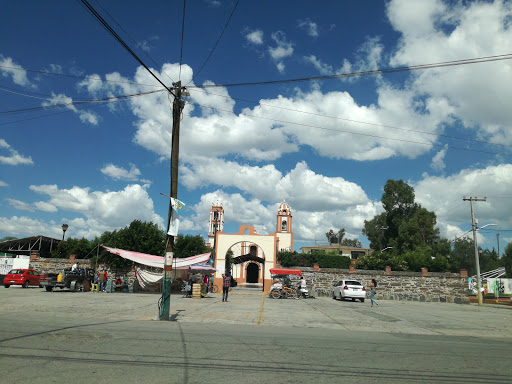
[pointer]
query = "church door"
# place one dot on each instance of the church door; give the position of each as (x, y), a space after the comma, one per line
(253, 272)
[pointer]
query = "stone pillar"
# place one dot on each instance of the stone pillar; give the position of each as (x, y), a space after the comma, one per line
(424, 271)
(353, 261)
(464, 273)
(387, 271)
(34, 256)
(316, 267)
(351, 268)
(72, 258)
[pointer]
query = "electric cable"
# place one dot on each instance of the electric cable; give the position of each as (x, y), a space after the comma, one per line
(367, 73)
(217, 43)
(182, 35)
(120, 41)
(133, 40)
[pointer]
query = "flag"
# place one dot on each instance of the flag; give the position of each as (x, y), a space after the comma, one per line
(174, 224)
(176, 204)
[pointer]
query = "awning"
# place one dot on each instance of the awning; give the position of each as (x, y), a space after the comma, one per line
(280, 271)
(158, 261)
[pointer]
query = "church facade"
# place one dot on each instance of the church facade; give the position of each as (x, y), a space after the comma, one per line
(253, 254)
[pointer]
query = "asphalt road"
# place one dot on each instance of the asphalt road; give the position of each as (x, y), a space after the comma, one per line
(63, 337)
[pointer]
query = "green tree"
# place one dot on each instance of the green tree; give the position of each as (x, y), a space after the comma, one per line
(379, 260)
(488, 260)
(351, 243)
(462, 256)
(335, 237)
(81, 248)
(374, 230)
(190, 245)
(507, 259)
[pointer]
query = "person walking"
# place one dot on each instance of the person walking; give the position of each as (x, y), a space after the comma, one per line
(373, 292)
(226, 284)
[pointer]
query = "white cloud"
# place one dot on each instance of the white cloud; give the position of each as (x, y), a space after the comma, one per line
(310, 27)
(435, 31)
(17, 204)
(113, 209)
(119, 173)
(323, 68)
(67, 102)
(14, 158)
(444, 196)
(3, 184)
(8, 68)
(438, 160)
(368, 58)
(45, 207)
(255, 37)
(283, 49)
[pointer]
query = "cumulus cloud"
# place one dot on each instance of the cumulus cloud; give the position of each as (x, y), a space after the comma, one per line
(255, 37)
(281, 51)
(8, 68)
(98, 211)
(119, 173)
(13, 158)
(3, 184)
(444, 195)
(310, 27)
(435, 31)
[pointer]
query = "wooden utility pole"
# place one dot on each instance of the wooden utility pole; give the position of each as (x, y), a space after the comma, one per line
(477, 260)
(177, 107)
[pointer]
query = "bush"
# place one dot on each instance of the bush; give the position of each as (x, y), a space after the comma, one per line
(323, 259)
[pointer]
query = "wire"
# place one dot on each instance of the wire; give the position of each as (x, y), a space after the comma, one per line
(78, 103)
(137, 44)
(355, 133)
(353, 121)
(182, 35)
(367, 73)
(76, 77)
(217, 43)
(120, 41)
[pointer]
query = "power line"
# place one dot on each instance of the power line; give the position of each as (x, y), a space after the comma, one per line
(354, 121)
(133, 40)
(355, 133)
(367, 73)
(182, 35)
(76, 76)
(78, 102)
(217, 43)
(120, 41)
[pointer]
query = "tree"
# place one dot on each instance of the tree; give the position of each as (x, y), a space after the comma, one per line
(351, 243)
(507, 259)
(190, 245)
(462, 256)
(81, 248)
(335, 237)
(488, 260)
(374, 231)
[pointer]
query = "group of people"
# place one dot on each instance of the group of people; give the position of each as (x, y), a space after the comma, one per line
(204, 280)
(100, 279)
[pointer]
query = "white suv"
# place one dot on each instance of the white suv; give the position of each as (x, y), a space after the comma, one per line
(349, 289)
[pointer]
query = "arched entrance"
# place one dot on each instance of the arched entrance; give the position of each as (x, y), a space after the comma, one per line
(253, 273)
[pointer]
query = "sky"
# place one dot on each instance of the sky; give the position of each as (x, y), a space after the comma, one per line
(325, 146)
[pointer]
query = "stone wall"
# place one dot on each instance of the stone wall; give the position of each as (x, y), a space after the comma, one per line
(391, 285)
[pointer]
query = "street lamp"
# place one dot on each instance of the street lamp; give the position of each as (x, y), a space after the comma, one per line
(477, 259)
(64, 229)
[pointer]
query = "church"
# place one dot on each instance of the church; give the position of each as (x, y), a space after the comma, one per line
(253, 254)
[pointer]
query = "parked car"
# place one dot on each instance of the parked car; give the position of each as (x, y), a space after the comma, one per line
(23, 277)
(349, 289)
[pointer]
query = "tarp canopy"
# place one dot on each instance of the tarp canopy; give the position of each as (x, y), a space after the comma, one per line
(158, 261)
(280, 271)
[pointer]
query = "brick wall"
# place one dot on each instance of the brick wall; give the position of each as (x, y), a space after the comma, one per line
(392, 285)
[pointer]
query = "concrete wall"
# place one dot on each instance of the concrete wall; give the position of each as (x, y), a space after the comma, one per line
(391, 285)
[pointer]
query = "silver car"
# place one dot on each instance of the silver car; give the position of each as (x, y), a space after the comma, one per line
(349, 289)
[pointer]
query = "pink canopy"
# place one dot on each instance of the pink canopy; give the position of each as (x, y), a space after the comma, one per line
(158, 261)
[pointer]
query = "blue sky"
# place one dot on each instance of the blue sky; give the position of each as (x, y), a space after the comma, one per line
(329, 146)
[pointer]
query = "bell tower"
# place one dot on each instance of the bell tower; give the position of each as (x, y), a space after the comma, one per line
(216, 222)
(284, 226)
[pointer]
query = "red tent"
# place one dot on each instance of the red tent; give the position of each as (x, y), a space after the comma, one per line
(280, 271)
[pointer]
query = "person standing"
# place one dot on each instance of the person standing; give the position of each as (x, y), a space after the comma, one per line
(373, 292)
(226, 284)
(104, 280)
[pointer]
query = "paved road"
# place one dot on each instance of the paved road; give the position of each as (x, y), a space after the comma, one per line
(97, 337)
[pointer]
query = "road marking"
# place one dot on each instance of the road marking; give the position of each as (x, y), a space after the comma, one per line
(260, 313)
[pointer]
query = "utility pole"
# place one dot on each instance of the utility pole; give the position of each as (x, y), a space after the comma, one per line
(177, 107)
(498, 239)
(477, 260)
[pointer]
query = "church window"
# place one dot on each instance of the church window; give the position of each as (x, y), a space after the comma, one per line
(283, 225)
